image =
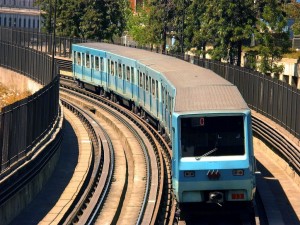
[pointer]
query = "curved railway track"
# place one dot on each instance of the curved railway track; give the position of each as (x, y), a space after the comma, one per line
(289, 152)
(188, 215)
(157, 206)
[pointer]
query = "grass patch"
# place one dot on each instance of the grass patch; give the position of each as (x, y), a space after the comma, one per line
(9, 96)
(293, 54)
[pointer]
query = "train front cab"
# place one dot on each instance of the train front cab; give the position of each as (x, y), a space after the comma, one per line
(213, 157)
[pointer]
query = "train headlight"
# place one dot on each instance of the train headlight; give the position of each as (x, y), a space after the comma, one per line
(238, 172)
(189, 173)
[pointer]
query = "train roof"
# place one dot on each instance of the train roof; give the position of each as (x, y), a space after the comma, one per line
(197, 88)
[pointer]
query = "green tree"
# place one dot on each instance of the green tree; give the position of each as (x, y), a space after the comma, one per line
(161, 15)
(94, 22)
(69, 17)
(178, 26)
(94, 19)
(115, 16)
(138, 26)
(227, 25)
(293, 11)
(48, 7)
(272, 37)
(103, 19)
(193, 37)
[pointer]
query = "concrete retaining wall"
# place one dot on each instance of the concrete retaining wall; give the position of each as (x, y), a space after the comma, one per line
(12, 207)
(17, 81)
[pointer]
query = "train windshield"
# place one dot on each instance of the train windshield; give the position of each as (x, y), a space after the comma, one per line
(212, 136)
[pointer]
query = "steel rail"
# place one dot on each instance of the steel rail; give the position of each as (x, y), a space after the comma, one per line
(169, 203)
(286, 149)
(146, 207)
(102, 173)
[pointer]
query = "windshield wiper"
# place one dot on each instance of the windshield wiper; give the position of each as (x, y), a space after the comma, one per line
(207, 153)
(211, 151)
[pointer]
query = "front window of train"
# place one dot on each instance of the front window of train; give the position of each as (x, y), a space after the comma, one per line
(212, 136)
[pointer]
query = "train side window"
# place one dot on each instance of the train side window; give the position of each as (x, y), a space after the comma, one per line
(120, 70)
(108, 67)
(157, 92)
(101, 64)
(97, 66)
(170, 103)
(127, 73)
(163, 94)
(132, 75)
(78, 58)
(147, 83)
(153, 87)
(87, 64)
(83, 59)
(123, 72)
(141, 79)
(166, 99)
(112, 68)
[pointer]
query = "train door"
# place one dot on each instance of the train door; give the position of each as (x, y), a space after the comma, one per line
(82, 65)
(157, 98)
(92, 58)
(119, 78)
(170, 113)
(115, 76)
(87, 67)
(103, 73)
(166, 109)
(78, 66)
(110, 74)
(163, 107)
(154, 99)
(96, 71)
(147, 98)
(133, 82)
(128, 83)
(141, 88)
(124, 79)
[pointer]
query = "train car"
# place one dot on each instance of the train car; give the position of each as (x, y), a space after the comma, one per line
(204, 116)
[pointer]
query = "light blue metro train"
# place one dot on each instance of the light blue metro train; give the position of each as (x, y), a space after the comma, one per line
(204, 116)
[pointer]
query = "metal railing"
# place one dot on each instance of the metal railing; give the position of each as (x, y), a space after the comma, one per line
(24, 123)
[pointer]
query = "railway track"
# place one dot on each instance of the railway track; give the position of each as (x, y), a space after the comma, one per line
(65, 65)
(155, 203)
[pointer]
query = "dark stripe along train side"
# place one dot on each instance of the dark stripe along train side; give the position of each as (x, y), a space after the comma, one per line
(204, 116)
